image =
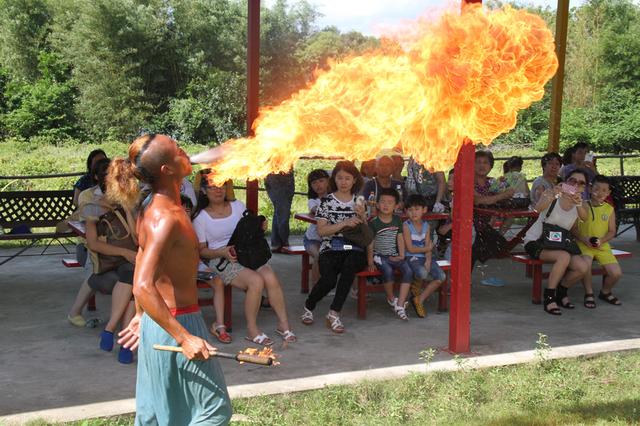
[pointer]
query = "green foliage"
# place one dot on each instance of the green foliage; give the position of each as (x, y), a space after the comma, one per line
(44, 107)
(213, 109)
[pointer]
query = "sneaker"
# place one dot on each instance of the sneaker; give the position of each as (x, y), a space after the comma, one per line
(125, 356)
(493, 282)
(106, 341)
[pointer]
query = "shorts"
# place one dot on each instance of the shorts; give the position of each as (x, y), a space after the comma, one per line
(227, 271)
(105, 281)
(604, 257)
(420, 272)
(387, 267)
(171, 390)
(309, 245)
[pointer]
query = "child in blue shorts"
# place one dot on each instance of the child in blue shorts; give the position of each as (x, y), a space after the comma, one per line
(386, 252)
(419, 248)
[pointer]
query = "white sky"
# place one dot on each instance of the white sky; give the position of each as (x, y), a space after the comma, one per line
(370, 16)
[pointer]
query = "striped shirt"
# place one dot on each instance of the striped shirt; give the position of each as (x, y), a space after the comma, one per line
(385, 242)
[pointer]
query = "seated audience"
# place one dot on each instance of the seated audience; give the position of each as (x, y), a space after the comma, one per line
(384, 172)
(215, 219)
(514, 178)
(593, 235)
(339, 260)
(87, 181)
(488, 242)
(549, 239)
(111, 240)
(551, 163)
(368, 170)
(186, 189)
(576, 158)
(387, 251)
(398, 167)
(318, 188)
(431, 186)
(420, 254)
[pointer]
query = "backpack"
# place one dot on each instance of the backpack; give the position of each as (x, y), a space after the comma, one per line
(248, 240)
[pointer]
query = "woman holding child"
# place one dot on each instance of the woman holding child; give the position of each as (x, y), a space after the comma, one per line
(215, 219)
(550, 240)
(338, 257)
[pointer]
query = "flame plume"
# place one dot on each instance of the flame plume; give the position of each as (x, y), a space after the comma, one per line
(465, 76)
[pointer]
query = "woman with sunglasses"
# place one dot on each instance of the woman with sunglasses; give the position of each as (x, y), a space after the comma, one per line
(559, 206)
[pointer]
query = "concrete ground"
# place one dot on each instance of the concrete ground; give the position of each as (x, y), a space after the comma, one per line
(47, 363)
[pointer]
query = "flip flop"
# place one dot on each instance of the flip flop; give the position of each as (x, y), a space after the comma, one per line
(77, 320)
(287, 336)
(260, 339)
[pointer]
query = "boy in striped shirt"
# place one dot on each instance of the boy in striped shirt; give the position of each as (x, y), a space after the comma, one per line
(387, 250)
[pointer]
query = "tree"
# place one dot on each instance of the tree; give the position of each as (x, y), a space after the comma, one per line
(24, 27)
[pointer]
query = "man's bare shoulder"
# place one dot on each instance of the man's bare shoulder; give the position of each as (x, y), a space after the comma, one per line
(161, 217)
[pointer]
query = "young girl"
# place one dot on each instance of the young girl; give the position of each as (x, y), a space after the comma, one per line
(318, 183)
(337, 257)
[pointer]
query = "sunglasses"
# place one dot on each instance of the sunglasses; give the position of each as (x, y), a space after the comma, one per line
(576, 182)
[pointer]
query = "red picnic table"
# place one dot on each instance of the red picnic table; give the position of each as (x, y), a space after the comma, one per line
(502, 213)
(309, 218)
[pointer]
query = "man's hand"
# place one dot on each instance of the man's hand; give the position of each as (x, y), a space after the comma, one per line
(371, 267)
(194, 347)
(130, 336)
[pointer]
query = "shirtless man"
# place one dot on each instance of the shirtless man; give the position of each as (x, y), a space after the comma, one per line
(171, 388)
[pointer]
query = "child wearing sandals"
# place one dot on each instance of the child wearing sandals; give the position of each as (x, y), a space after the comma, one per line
(318, 183)
(387, 253)
(419, 252)
(593, 236)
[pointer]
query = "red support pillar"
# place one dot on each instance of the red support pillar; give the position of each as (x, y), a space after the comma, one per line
(253, 85)
(460, 312)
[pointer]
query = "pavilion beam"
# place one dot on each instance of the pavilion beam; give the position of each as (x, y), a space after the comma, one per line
(562, 22)
(253, 85)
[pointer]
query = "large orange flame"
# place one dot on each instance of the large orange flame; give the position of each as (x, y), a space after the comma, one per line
(465, 76)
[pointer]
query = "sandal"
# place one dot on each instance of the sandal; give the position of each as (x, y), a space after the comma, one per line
(549, 298)
(609, 298)
(287, 336)
(393, 303)
(333, 322)
(401, 312)
(418, 307)
(77, 320)
(307, 317)
(561, 295)
(220, 331)
(260, 339)
(589, 301)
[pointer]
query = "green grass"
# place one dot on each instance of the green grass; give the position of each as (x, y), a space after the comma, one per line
(31, 158)
(594, 390)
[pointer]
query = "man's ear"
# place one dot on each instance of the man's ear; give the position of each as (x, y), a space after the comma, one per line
(166, 169)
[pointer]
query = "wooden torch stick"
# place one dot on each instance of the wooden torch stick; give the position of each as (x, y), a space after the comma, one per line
(252, 359)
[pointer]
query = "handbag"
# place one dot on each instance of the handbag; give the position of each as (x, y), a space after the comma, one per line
(113, 229)
(555, 237)
(360, 235)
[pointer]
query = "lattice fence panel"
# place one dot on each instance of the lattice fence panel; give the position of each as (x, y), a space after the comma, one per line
(35, 208)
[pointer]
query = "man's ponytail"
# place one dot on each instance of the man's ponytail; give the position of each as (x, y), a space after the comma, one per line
(125, 175)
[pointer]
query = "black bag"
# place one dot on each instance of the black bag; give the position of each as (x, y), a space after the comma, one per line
(555, 237)
(248, 240)
(360, 235)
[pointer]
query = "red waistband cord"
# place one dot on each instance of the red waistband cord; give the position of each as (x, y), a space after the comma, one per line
(184, 310)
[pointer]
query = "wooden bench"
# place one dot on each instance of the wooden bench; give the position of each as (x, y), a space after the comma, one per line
(535, 266)
(306, 265)
(364, 288)
(35, 209)
(625, 191)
